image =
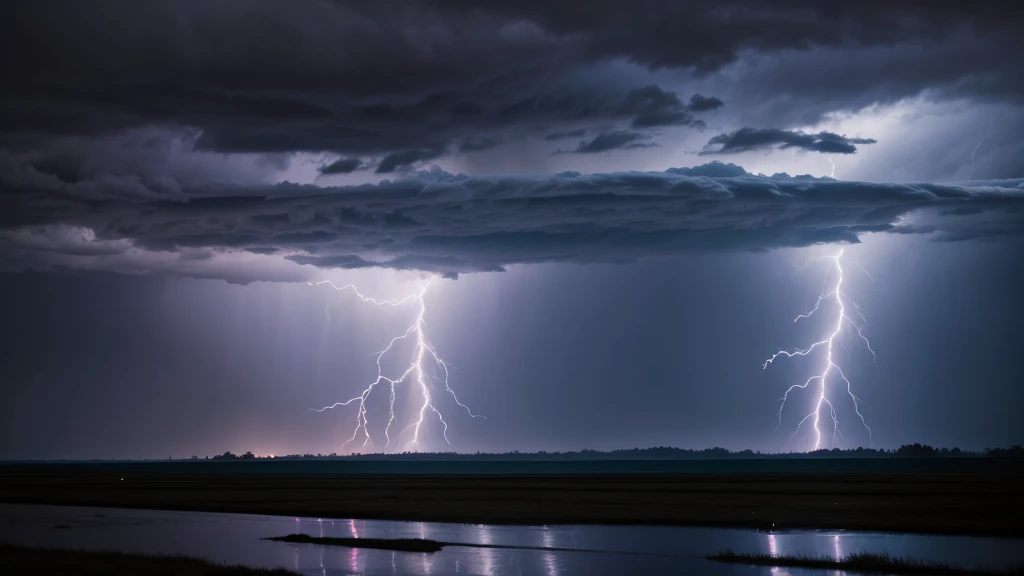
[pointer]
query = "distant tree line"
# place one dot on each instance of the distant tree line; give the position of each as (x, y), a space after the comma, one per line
(657, 453)
(230, 456)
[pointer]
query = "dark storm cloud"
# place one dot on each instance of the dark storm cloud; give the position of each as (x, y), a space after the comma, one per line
(477, 144)
(622, 139)
(804, 87)
(294, 77)
(851, 53)
(447, 223)
(701, 103)
(653, 106)
(747, 139)
(396, 160)
(401, 84)
(308, 76)
(562, 135)
(342, 166)
(707, 34)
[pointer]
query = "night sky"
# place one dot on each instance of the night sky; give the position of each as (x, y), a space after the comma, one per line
(617, 206)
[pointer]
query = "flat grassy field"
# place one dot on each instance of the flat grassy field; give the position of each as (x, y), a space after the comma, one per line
(979, 503)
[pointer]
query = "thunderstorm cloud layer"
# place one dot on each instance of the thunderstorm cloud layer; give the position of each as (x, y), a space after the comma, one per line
(456, 137)
(382, 87)
(445, 223)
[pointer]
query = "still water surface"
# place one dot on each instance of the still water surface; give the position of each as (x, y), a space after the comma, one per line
(613, 550)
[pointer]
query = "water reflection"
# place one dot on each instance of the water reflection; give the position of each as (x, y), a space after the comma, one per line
(322, 569)
(420, 531)
(231, 538)
(773, 550)
(353, 553)
(838, 551)
(487, 555)
(550, 558)
(353, 560)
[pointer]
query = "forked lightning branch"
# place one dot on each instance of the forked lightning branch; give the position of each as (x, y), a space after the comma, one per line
(419, 376)
(831, 376)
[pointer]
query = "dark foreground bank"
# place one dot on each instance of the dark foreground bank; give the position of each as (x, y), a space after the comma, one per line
(862, 563)
(976, 502)
(17, 560)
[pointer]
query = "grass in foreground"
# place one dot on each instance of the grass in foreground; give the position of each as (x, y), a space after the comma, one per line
(400, 544)
(876, 563)
(18, 560)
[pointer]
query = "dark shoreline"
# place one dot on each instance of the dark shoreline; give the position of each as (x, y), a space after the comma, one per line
(861, 563)
(986, 503)
(17, 560)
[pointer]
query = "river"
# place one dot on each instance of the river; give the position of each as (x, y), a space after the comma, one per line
(583, 549)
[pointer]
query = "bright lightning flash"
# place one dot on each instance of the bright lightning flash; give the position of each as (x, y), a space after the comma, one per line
(423, 355)
(822, 378)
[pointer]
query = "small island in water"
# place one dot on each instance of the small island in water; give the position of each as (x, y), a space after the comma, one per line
(396, 544)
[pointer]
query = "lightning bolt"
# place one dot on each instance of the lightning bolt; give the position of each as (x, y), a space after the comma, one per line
(978, 145)
(858, 322)
(973, 152)
(833, 174)
(876, 121)
(423, 355)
